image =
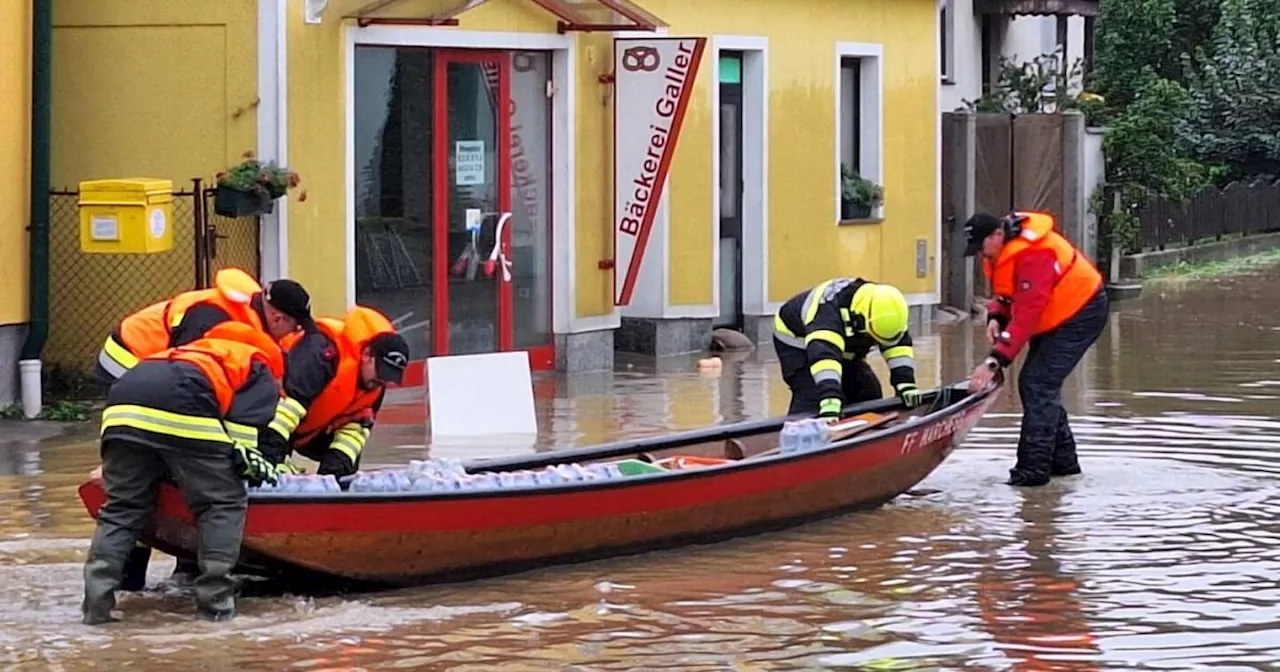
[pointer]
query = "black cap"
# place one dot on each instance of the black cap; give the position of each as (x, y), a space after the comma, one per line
(391, 356)
(977, 229)
(288, 297)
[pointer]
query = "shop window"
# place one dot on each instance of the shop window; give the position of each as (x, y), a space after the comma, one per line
(859, 165)
(946, 40)
(393, 111)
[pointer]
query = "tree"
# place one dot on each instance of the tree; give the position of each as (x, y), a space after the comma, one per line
(1234, 123)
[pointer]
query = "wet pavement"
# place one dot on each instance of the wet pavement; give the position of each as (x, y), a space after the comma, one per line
(1162, 555)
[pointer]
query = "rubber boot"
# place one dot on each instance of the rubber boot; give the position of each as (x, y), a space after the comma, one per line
(215, 592)
(135, 569)
(185, 572)
(101, 579)
(1035, 461)
(1065, 460)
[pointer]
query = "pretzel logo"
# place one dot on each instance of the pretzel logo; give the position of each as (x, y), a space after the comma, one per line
(640, 59)
(522, 61)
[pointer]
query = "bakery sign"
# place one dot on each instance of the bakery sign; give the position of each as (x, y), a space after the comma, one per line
(653, 81)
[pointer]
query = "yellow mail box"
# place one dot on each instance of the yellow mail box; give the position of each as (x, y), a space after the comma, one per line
(128, 216)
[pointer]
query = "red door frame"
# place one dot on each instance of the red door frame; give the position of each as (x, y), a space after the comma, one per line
(498, 59)
(541, 358)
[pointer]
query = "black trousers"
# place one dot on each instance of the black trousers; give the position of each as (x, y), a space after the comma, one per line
(213, 490)
(857, 379)
(1046, 445)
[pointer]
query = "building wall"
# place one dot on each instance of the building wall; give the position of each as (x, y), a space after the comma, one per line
(15, 181)
(142, 88)
(805, 243)
(15, 151)
(157, 88)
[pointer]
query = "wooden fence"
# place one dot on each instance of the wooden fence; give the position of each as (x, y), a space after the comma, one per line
(1238, 208)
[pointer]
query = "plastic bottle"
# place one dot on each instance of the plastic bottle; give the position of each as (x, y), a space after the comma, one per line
(821, 434)
(402, 480)
(791, 437)
(604, 472)
(330, 483)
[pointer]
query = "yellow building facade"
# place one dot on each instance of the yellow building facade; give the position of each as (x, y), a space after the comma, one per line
(15, 194)
(416, 125)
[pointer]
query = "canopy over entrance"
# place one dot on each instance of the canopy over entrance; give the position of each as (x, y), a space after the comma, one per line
(1038, 7)
(577, 15)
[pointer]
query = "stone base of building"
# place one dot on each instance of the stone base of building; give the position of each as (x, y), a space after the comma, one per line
(662, 337)
(758, 328)
(923, 319)
(585, 351)
(593, 351)
(11, 338)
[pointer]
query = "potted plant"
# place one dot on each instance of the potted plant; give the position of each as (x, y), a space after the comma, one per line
(251, 187)
(859, 197)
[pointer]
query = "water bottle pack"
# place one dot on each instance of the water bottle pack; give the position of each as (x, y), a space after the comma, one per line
(803, 435)
(450, 476)
(302, 484)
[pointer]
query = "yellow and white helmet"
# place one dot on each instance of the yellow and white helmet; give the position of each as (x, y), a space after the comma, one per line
(883, 310)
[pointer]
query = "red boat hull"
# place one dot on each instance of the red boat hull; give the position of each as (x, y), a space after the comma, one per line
(409, 538)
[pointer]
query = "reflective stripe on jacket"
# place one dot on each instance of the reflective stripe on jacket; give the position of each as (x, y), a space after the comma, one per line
(1078, 280)
(824, 322)
(342, 408)
(207, 394)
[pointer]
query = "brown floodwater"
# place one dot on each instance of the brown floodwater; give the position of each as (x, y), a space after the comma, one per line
(1162, 555)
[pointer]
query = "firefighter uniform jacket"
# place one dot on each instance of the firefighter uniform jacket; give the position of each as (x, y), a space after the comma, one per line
(206, 395)
(823, 322)
(325, 414)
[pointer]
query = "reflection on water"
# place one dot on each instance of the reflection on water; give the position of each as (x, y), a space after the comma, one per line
(1162, 555)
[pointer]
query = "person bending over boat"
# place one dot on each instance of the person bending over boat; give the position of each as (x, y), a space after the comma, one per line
(192, 412)
(1048, 294)
(822, 337)
(279, 309)
(334, 387)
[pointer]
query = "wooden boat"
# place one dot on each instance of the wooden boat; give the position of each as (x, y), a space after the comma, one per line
(711, 484)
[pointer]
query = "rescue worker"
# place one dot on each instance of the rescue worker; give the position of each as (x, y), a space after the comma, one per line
(278, 309)
(822, 337)
(1048, 294)
(192, 413)
(336, 380)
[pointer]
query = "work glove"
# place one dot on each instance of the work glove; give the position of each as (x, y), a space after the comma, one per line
(252, 466)
(335, 462)
(909, 395)
(283, 468)
(274, 447)
(829, 409)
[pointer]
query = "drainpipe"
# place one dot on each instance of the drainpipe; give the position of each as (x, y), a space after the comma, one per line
(41, 88)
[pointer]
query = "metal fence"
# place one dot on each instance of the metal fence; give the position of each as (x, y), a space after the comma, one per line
(89, 293)
(1238, 208)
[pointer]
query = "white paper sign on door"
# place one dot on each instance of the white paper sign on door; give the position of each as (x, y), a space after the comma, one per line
(468, 162)
(653, 80)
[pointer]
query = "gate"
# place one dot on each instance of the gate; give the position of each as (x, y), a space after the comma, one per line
(997, 163)
(89, 293)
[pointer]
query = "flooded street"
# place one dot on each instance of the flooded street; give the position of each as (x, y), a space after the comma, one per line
(1162, 555)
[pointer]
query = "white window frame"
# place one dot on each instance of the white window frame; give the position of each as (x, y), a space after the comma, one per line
(870, 115)
(754, 283)
(947, 31)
